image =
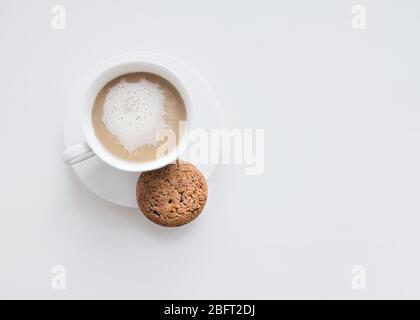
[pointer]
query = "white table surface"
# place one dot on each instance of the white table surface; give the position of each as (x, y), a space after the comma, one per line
(341, 113)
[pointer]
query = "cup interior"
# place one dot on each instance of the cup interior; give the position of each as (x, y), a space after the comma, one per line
(108, 73)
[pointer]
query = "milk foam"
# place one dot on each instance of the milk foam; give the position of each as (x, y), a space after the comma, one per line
(133, 113)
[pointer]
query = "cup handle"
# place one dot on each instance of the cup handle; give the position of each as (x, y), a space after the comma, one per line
(77, 153)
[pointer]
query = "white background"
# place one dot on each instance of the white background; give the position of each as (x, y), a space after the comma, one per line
(341, 185)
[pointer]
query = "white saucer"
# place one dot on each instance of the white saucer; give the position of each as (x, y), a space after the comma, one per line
(118, 186)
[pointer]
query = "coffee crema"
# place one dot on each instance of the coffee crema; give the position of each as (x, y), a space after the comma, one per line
(131, 110)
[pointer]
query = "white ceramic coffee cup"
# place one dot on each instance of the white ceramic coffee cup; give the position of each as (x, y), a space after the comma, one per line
(92, 146)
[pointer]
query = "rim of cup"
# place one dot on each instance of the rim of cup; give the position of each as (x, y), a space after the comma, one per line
(111, 71)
